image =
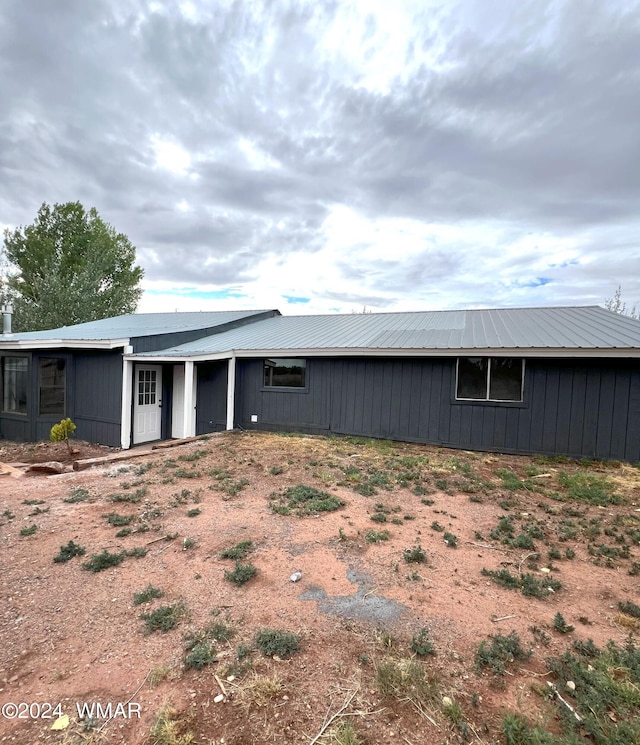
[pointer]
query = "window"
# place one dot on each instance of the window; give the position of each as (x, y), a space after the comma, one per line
(285, 373)
(147, 387)
(490, 378)
(52, 387)
(14, 385)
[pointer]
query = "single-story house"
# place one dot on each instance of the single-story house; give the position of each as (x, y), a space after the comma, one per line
(562, 380)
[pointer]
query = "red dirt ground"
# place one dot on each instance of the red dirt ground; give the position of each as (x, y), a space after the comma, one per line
(69, 636)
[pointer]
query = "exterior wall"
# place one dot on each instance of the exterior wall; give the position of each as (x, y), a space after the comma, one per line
(92, 398)
(581, 408)
(97, 396)
(304, 409)
(211, 397)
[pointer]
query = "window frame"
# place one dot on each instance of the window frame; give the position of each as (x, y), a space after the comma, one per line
(286, 388)
(3, 376)
(486, 400)
(54, 415)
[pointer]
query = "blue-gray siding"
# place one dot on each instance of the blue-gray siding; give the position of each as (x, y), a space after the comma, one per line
(211, 398)
(93, 398)
(580, 408)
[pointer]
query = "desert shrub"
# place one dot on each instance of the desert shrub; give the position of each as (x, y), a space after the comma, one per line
(415, 555)
(242, 573)
(68, 552)
(149, 593)
(421, 644)
(165, 618)
(275, 642)
(304, 501)
(104, 560)
(239, 551)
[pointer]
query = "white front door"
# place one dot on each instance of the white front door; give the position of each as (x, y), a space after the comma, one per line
(147, 422)
(177, 408)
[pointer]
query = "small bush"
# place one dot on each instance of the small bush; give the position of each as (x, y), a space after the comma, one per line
(104, 560)
(165, 618)
(119, 520)
(560, 625)
(421, 644)
(415, 555)
(272, 642)
(304, 501)
(503, 649)
(435, 525)
(241, 574)
(62, 431)
(77, 495)
(202, 653)
(29, 531)
(194, 513)
(375, 536)
(68, 552)
(239, 551)
(451, 540)
(631, 609)
(149, 593)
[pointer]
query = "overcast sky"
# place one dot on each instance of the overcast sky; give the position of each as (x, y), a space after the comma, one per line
(330, 155)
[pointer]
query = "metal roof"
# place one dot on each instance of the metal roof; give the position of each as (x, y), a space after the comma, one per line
(545, 330)
(136, 324)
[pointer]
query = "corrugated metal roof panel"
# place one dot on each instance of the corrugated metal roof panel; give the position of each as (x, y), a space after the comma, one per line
(590, 328)
(138, 324)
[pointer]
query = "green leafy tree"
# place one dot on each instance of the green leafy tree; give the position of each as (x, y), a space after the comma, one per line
(617, 305)
(69, 266)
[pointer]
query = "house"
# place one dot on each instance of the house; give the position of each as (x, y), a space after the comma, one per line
(562, 380)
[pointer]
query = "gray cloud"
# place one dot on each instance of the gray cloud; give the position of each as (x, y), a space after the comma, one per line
(528, 120)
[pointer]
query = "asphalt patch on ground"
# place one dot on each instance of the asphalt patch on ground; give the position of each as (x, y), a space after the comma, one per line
(363, 606)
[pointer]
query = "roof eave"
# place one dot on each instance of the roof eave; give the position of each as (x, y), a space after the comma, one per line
(530, 352)
(28, 344)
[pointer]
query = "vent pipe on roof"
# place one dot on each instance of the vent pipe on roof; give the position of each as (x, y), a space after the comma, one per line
(7, 312)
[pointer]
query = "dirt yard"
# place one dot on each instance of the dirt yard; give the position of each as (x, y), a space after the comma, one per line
(399, 586)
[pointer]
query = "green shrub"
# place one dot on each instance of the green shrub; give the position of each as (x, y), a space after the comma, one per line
(272, 642)
(304, 501)
(29, 531)
(631, 609)
(149, 593)
(415, 555)
(239, 551)
(165, 618)
(104, 560)
(68, 552)
(62, 431)
(241, 574)
(118, 520)
(560, 625)
(451, 540)
(421, 644)
(200, 654)
(375, 536)
(502, 650)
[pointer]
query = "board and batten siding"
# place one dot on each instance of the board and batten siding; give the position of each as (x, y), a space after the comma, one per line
(96, 396)
(211, 397)
(582, 408)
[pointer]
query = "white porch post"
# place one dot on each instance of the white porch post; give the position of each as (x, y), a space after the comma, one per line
(127, 404)
(189, 422)
(231, 391)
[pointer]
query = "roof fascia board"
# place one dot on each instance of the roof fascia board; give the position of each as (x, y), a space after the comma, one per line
(65, 344)
(633, 352)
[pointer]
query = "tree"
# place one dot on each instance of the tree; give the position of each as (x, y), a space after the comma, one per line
(68, 267)
(617, 305)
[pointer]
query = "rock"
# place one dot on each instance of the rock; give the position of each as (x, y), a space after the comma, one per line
(446, 701)
(571, 685)
(219, 698)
